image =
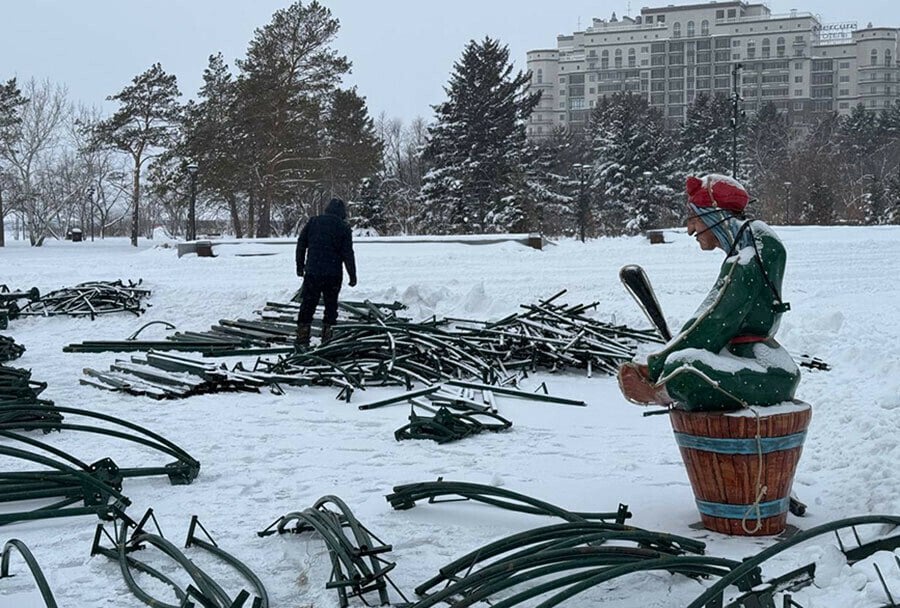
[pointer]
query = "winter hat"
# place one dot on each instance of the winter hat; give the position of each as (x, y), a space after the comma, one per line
(719, 191)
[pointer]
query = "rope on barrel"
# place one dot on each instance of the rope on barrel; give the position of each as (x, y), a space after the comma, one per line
(761, 489)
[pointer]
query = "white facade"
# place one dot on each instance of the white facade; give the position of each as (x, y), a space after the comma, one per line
(671, 53)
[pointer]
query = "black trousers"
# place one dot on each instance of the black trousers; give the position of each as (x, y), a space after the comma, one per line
(314, 288)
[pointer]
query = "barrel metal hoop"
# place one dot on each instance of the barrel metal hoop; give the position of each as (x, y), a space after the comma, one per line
(721, 445)
(726, 511)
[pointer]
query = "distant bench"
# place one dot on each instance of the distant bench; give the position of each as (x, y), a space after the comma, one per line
(204, 248)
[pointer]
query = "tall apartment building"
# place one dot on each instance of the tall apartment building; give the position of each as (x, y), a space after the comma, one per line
(672, 53)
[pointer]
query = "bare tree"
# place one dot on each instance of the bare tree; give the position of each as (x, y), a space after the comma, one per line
(36, 145)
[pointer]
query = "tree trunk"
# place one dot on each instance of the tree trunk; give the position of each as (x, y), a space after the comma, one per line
(2, 226)
(264, 224)
(251, 213)
(235, 216)
(136, 202)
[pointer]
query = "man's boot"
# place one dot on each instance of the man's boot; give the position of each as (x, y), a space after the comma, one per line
(327, 329)
(302, 341)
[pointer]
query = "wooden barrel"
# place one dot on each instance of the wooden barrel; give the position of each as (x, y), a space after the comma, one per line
(722, 455)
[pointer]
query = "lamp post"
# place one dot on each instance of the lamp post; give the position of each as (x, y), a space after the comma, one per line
(787, 203)
(192, 208)
(736, 115)
(584, 203)
(90, 196)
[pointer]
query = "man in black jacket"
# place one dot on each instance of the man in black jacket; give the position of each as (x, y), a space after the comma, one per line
(324, 246)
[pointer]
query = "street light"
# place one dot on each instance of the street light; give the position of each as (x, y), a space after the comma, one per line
(192, 209)
(787, 203)
(90, 197)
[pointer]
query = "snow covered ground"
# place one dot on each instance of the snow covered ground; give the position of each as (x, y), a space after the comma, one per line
(265, 455)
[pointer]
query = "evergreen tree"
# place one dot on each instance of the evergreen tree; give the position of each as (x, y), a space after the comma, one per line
(476, 151)
(11, 102)
(145, 124)
(632, 167)
(705, 137)
(815, 183)
(767, 160)
(352, 149)
(369, 211)
(563, 169)
(214, 141)
(286, 80)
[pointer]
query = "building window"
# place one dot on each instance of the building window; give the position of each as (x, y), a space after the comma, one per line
(874, 90)
(562, 92)
(844, 65)
(843, 105)
(732, 13)
(618, 58)
(661, 19)
(540, 76)
(844, 79)
(798, 66)
(798, 92)
(751, 49)
(562, 79)
(887, 57)
(779, 47)
(844, 92)
(874, 56)
(690, 29)
(604, 60)
(704, 28)
(720, 14)
(676, 30)
(798, 78)
(765, 48)
(632, 58)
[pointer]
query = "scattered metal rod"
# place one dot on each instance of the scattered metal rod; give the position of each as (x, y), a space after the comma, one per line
(36, 573)
(568, 535)
(9, 350)
(207, 591)
(405, 497)
(813, 363)
(357, 567)
(713, 596)
(181, 472)
(210, 546)
(92, 485)
(89, 299)
(166, 376)
(446, 425)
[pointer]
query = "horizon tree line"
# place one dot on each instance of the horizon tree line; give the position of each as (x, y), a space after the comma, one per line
(276, 137)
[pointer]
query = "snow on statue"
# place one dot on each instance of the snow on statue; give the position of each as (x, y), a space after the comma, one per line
(726, 355)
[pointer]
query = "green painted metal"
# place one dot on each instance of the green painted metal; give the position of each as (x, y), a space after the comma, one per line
(405, 497)
(39, 579)
(712, 596)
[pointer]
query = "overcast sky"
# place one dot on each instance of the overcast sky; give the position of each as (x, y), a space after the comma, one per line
(402, 50)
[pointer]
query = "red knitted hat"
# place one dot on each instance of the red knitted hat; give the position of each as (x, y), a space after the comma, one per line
(715, 190)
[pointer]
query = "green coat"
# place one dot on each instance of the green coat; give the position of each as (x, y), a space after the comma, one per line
(744, 302)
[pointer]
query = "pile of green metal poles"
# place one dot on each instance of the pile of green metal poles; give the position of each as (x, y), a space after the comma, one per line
(9, 350)
(89, 300)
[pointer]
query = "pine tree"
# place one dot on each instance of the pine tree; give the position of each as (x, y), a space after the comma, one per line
(214, 141)
(11, 102)
(352, 149)
(368, 213)
(562, 167)
(705, 138)
(476, 151)
(145, 124)
(632, 174)
(767, 154)
(285, 82)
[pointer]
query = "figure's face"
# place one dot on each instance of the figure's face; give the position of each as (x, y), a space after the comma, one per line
(697, 229)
